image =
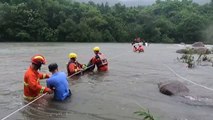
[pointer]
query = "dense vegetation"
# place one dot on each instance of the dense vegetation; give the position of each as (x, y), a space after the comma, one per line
(170, 21)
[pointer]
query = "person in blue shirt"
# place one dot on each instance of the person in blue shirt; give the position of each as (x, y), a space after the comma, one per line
(58, 82)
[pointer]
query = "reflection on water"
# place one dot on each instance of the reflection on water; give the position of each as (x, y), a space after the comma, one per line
(46, 107)
(98, 76)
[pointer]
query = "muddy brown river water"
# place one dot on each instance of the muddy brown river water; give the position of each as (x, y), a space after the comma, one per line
(130, 83)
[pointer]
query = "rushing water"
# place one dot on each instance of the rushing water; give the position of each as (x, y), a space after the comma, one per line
(130, 84)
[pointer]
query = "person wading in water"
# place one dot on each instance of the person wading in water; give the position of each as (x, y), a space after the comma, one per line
(32, 87)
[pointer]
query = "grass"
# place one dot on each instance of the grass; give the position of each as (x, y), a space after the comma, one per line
(145, 114)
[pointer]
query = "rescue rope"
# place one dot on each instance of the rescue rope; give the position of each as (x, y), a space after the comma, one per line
(46, 93)
(79, 71)
(92, 66)
(23, 106)
(205, 87)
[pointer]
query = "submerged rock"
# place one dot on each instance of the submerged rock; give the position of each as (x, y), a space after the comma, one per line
(198, 44)
(173, 88)
(202, 50)
(184, 51)
(195, 50)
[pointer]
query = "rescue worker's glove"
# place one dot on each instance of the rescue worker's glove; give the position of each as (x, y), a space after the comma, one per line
(45, 76)
(48, 90)
(84, 66)
(48, 76)
(76, 70)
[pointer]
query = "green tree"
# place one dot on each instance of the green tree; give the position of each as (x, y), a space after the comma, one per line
(166, 21)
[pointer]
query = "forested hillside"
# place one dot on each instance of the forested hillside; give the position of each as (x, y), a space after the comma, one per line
(170, 21)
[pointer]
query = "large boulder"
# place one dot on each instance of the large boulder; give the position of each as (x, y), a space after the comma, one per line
(184, 51)
(198, 44)
(194, 50)
(202, 50)
(173, 88)
(187, 51)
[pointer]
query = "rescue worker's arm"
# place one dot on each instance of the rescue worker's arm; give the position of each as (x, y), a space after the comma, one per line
(82, 66)
(43, 76)
(94, 60)
(33, 84)
(91, 65)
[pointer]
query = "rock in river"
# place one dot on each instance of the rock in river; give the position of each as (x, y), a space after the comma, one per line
(173, 88)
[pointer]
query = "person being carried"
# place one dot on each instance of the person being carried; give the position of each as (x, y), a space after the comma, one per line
(73, 66)
(32, 87)
(99, 60)
(58, 82)
(135, 48)
(140, 48)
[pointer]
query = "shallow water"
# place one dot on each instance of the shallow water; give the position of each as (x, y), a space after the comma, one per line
(130, 84)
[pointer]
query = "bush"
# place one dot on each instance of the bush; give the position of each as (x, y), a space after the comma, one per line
(145, 114)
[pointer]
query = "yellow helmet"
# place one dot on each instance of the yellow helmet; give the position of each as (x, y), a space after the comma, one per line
(72, 55)
(96, 49)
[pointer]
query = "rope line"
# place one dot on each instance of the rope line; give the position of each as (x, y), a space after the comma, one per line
(93, 65)
(23, 106)
(205, 87)
(79, 72)
(46, 93)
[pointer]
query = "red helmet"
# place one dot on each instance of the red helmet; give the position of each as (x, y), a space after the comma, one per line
(38, 59)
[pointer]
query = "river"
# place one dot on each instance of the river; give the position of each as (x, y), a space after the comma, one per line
(129, 85)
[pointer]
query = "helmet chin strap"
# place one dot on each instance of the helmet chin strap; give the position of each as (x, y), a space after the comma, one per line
(37, 66)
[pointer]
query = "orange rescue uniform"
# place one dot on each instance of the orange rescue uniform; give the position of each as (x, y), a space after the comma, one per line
(100, 61)
(32, 87)
(73, 67)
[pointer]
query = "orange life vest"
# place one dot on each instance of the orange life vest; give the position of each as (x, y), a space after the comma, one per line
(32, 87)
(73, 67)
(101, 60)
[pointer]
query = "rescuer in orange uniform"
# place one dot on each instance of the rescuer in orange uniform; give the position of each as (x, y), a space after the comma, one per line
(99, 60)
(32, 87)
(73, 65)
